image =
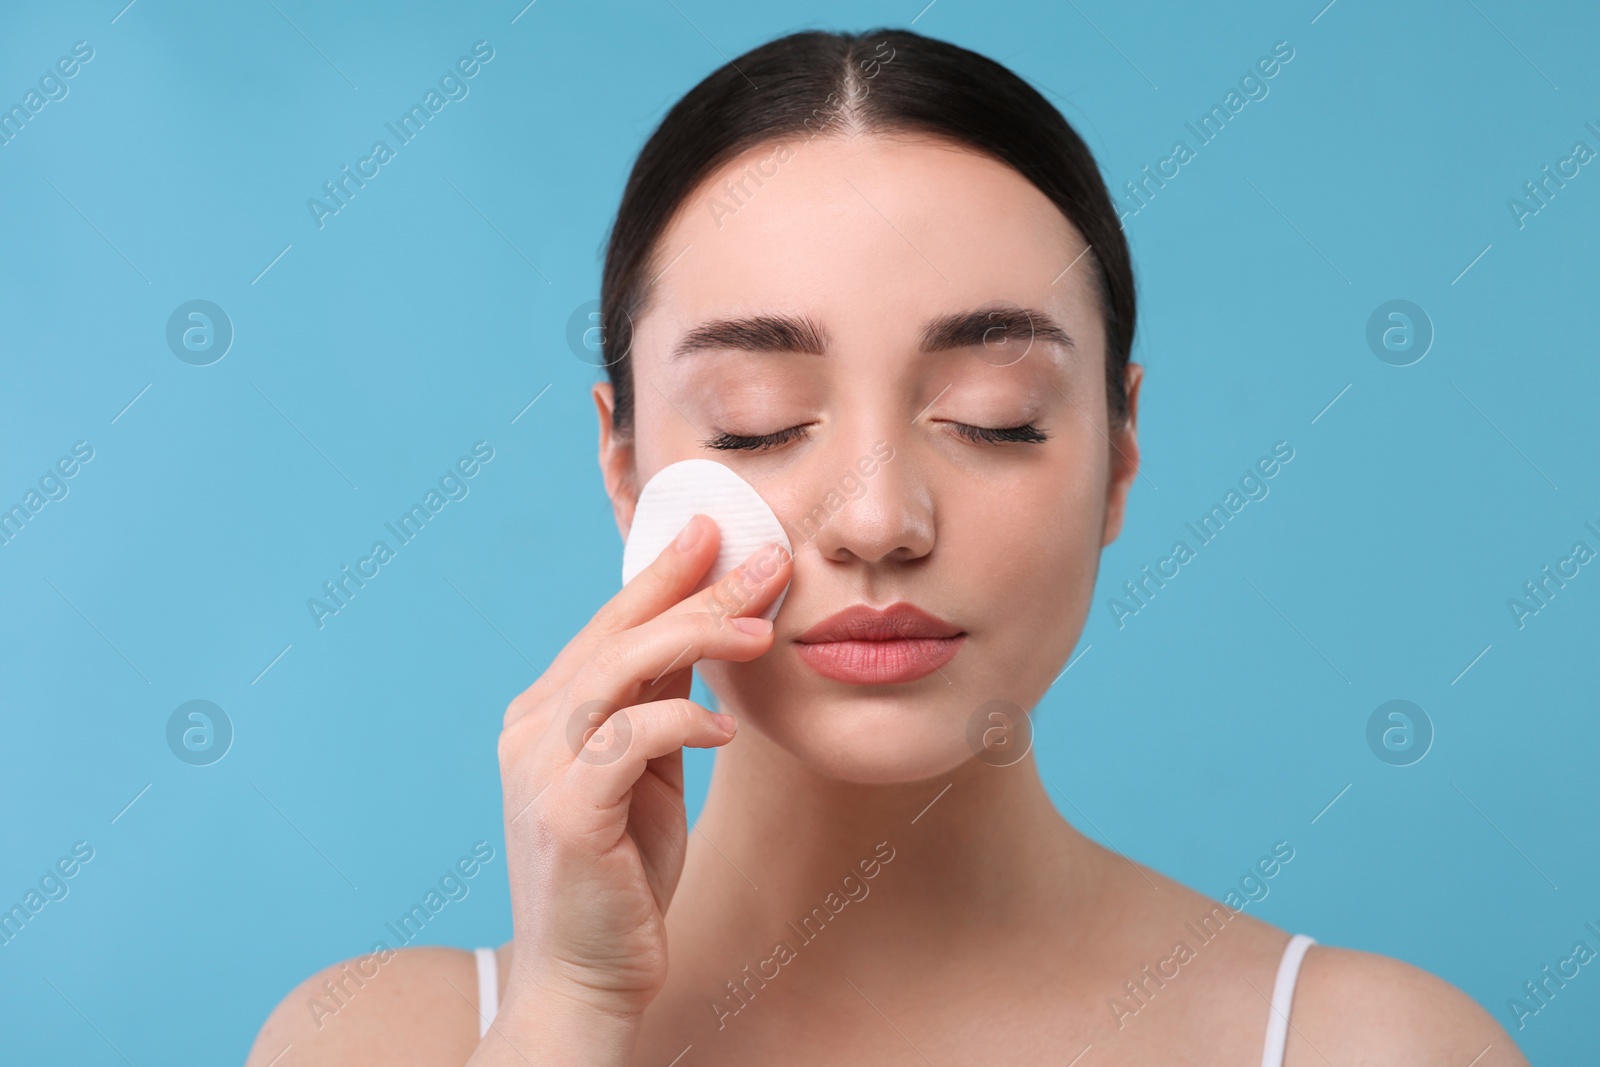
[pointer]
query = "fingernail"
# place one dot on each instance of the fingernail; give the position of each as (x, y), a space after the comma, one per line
(688, 536)
(753, 625)
(724, 721)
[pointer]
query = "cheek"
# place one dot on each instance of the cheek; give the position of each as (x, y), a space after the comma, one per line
(1034, 533)
(1027, 555)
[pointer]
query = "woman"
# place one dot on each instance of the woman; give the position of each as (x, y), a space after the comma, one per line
(884, 263)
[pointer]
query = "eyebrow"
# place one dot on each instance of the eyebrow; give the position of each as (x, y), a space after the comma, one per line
(799, 334)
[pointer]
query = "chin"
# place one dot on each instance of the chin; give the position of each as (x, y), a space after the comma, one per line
(864, 735)
(881, 742)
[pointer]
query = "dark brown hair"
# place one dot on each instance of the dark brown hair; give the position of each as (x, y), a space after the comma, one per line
(882, 80)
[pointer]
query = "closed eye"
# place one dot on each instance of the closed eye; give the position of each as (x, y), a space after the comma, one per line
(729, 442)
(1027, 433)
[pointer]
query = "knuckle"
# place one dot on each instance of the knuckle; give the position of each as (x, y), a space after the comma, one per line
(598, 732)
(522, 735)
(525, 703)
(512, 742)
(635, 730)
(609, 619)
(730, 589)
(613, 656)
(706, 625)
(684, 714)
(719, 620)
(661, 578)
(515, 710)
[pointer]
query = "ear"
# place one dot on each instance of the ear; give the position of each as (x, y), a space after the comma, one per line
(617, 465)
(1124, 458)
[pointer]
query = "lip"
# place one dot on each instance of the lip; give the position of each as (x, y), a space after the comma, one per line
(863, 645)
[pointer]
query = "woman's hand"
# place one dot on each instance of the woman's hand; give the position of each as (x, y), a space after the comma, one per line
(591, 762)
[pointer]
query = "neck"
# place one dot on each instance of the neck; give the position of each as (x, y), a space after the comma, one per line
(958, 853)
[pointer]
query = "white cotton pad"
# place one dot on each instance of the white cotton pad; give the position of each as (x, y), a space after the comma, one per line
(681, 490)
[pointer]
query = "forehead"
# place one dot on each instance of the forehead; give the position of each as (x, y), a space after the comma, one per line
(873, 236)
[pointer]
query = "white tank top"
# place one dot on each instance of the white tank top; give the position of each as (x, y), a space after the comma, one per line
(1271, 1053)
(488, 989)
(1282, 999)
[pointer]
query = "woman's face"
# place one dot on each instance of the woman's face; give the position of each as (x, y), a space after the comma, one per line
(900, 270)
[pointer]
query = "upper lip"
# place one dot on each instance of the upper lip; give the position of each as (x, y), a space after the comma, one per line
(862, 622)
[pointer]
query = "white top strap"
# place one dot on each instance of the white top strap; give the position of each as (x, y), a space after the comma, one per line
(1282, 999)
(488, 989)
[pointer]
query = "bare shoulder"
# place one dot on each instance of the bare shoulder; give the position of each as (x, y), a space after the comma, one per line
(1353, 1007)
(407, 1007)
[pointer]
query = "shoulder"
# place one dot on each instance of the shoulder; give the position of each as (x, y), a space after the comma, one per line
(401, 1007)
(1359, 1007)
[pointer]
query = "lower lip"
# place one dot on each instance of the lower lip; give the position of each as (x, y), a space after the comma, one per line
(881, 662)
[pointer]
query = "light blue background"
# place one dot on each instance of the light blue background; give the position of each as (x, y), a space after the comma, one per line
(429, 313)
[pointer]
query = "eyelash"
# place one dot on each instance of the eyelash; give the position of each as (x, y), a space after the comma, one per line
(728, 442)
(1027, 433)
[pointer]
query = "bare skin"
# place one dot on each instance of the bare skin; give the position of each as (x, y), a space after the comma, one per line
(977, 925)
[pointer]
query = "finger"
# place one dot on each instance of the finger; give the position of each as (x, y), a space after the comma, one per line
(746, 589)
(637, 666)
(628, 664)
(618, 752)
(669, 578)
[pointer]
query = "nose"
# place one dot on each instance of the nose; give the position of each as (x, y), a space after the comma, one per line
(874, 507)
